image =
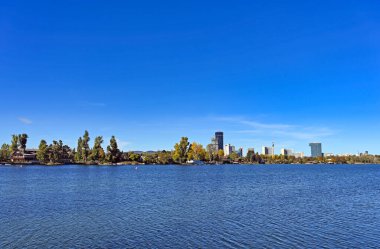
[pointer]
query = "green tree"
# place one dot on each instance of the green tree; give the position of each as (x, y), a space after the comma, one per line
(43, 152)
(251, 157)
(85, 146)
(233, 156)
(78, 154)
(196, 152)
(220, 155)
(55, 151)
(5, 153)
(68, 153)
(23, 139)
(14, 144)
(113, 153)
(149, 158)
(134, 157)
(164, 157)
(181, 150)
(97, 152)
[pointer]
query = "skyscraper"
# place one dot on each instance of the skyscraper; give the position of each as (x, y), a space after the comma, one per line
(219, 140)
(228, 149)
(240, 152)
(267, 151)
(316, 149)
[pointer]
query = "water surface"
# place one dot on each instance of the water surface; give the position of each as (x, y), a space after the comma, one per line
(228, 206)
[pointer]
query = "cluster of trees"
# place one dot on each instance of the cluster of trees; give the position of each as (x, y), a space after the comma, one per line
(18, 143)
(56, 152)
(59, 153)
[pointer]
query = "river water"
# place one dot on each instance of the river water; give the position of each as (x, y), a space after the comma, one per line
(231, 206)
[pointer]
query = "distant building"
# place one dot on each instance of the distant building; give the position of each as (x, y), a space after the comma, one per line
(219, 138)
(286, 152)
(299, 154)
(347, 154)
(252, 150)
(316, 149)
(28, 155)
(267, 151)
(228, 149)
(328, 154)
(240, 152)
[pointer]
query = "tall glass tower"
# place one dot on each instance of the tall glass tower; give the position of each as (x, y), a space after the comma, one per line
(219, 140)
(316, 149)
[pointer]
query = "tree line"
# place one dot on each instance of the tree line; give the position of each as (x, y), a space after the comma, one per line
(183, 152)
(87, 153)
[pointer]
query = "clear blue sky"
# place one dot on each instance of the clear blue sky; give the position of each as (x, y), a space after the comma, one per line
(149, 72)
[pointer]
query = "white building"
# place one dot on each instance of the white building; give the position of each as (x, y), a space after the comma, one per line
(228, 149)
(299, 154)
(328, 154)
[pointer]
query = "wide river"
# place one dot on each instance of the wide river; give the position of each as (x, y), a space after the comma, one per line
(277, 206)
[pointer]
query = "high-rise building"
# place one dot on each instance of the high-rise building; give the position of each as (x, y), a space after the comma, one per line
(219, 140)
(267, 150)
(286, 152)
(240, 152)
(316, 149)
(228, 149)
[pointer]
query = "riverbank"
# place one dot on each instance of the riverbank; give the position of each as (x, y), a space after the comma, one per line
(185, 164)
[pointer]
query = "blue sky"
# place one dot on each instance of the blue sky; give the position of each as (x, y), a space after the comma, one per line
(150, 72)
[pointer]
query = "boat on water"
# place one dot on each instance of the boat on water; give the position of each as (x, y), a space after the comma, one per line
(195, 162)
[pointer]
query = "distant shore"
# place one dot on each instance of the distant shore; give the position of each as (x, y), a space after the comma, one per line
(185, 164)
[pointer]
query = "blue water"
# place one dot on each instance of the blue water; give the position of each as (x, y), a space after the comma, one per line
(312, 206)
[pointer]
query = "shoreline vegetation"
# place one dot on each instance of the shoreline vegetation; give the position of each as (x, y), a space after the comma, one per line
(183, 153)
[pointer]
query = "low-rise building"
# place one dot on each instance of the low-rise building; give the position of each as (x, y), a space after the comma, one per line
(328, 154)
(26, 156)
(299, 154)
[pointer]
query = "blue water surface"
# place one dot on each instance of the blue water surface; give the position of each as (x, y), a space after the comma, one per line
(231, 206)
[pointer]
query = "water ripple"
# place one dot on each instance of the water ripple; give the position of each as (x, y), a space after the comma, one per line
(190, 207)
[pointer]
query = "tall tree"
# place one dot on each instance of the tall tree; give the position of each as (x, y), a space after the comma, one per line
(97, 152)
(181, 150)
(251, 157)
(14, 144)
(113, 152)
(78, 154)
(211, 153)
(23, 139)
(43, 153)
(55, 152)
(85, 146)
(4, 153)
(196, 152)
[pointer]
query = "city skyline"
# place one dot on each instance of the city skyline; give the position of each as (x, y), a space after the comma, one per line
(289, 73)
